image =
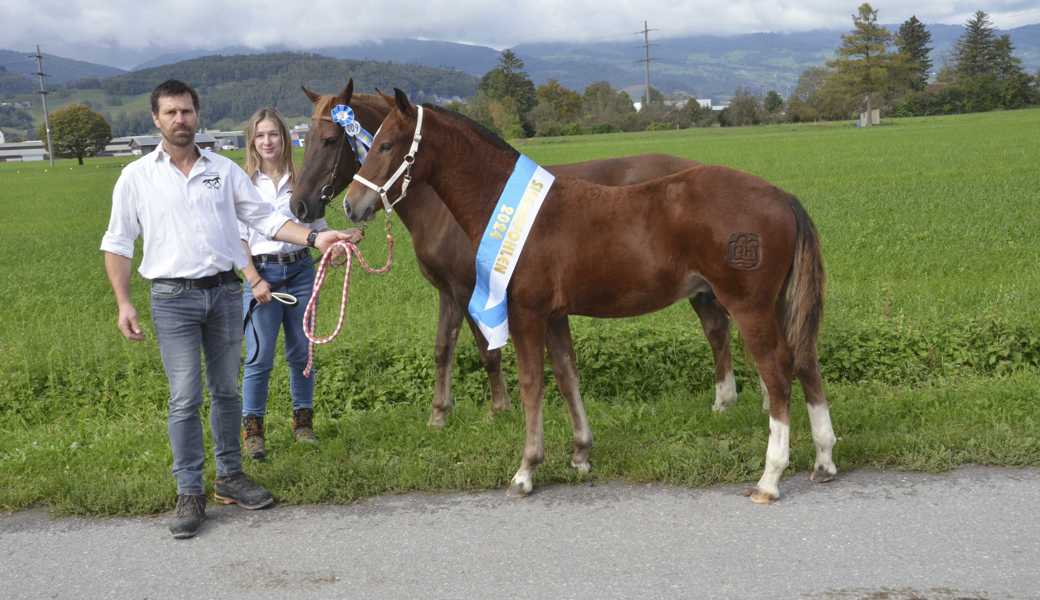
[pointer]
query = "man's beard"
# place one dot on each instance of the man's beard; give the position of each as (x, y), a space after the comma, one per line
(181, 137)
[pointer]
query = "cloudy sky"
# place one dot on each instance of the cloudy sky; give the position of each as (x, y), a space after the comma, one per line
(189, 24)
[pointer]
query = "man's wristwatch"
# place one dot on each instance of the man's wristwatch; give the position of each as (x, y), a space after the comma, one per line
(312, 238)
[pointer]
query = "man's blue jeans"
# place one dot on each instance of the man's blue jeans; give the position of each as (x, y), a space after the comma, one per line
(189, 322)
(297, 279)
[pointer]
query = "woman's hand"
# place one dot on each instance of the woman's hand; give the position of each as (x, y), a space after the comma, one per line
(261, 291)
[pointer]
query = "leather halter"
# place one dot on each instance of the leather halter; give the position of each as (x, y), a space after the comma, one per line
(405, 169)
(328, 191)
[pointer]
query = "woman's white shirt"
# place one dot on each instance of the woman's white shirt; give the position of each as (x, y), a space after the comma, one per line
(277, 194)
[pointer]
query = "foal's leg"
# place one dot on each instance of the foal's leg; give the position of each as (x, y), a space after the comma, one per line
(715, 322)
(561, 350)
(762, 335)
(528, 332)
(448, 323)
(820, 419)
(492, 362)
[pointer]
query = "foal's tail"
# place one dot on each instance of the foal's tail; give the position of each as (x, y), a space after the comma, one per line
(803, 295)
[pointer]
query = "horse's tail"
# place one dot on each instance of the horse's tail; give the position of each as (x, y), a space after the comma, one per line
(803, 295)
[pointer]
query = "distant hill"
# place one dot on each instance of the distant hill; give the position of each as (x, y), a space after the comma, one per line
(232, 87)
(17, 69)
(714, 66)
(475, 60)
(701, 65)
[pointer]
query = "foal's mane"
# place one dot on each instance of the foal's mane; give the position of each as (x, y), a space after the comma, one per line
(467, 123)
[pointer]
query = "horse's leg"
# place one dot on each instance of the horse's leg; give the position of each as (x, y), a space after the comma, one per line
(561, 350)
(492, 362)
(715, 322)
(528, 332)
(764, 339)
(448, 323)
(820, 419)
(765, 394)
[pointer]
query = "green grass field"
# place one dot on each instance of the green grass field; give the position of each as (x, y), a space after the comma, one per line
(930, 343)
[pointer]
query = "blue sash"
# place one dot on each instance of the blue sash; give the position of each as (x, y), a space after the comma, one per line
(501, 244)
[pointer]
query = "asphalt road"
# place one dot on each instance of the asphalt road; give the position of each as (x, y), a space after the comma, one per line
(973, 533)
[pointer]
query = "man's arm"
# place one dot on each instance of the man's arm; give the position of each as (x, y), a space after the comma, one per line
(297, 234)
(118, 269)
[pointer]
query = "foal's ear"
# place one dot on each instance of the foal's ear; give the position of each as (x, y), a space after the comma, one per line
(314, 97)
(348, 92)
(403, 105)
(389, 101)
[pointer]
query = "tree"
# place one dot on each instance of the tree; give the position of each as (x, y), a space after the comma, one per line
(974, 51)
(508, 80)
(605, 109)
(1012, 80)
(77, 131)
(557, 111)
(912, 40)
(863, 63)
(744, 109)
(773, 102)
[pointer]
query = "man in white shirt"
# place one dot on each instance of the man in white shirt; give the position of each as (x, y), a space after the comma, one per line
(186, 203)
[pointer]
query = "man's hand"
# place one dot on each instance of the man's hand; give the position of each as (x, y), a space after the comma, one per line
(262, 291)
(128, 324)
(326, 239)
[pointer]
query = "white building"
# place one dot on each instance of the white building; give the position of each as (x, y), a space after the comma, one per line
(23, 151)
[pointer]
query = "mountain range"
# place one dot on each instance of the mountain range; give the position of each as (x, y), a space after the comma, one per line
(705, 66)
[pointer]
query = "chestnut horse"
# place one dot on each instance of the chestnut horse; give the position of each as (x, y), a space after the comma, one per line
(445, 254)
(620, 251)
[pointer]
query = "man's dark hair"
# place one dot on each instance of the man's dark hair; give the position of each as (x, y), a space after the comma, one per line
(173, 87)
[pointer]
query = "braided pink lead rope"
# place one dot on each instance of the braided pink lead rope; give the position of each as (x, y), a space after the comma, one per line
(310, 314)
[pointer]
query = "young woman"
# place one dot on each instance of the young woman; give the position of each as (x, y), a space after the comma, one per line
(275, 267)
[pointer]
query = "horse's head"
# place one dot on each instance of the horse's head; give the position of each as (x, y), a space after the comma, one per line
(329, 161)
(390, 165)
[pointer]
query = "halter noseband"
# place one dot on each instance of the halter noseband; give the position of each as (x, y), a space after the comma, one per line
(405, 169)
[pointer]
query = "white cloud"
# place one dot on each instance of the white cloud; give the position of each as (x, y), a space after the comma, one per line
(183, 24)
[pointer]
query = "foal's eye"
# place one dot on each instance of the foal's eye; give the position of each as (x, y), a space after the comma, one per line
(385, 147)
(328, 141)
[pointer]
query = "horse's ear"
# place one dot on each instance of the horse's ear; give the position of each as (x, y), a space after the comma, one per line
(348, 92)
(389, 101)
(314, 97)
(403, 105)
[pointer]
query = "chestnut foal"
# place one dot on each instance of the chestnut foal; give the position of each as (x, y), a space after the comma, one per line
(620, 251)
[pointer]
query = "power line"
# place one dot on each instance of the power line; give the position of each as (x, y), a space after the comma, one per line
(646, 47)
(43, 96)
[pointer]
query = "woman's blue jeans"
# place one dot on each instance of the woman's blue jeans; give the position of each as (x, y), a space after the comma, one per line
(297, 279)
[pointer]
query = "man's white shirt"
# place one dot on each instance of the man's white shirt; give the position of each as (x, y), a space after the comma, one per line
(189, 224)
(278, 194)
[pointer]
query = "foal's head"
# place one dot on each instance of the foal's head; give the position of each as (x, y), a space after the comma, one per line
(389, 167)
(329, 161)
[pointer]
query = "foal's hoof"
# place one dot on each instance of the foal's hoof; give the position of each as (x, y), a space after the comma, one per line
(520, 487)
(437, 420)
(501, 406)
(759, 497)
(582, 467)
(822, 474)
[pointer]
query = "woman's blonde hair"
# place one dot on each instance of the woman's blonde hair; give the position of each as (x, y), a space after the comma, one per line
(253, 160)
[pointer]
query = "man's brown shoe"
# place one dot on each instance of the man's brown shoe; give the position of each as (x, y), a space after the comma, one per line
(303, 426)
(253, 437)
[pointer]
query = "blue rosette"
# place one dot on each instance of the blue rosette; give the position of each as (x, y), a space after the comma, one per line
(360, 139)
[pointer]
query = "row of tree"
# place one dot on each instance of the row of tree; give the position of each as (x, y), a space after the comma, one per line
(894, 73)
(873, 68)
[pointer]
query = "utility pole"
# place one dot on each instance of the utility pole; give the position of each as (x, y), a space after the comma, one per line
(43, 95)
(646, 47)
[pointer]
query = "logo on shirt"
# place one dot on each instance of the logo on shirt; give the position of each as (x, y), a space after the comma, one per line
(212, 183)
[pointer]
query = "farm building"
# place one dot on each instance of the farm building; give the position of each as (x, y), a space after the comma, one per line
(23, 151)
